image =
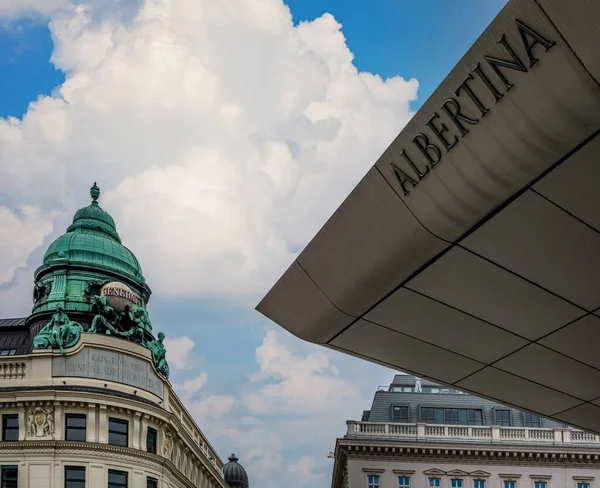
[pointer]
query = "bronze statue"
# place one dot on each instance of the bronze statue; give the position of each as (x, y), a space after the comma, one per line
(105, 318)
(159, 354)
(59, 333)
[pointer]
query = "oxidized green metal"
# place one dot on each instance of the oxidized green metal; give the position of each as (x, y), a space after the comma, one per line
(80, 261)
(159, 354)
(81, 266)
(59, 333)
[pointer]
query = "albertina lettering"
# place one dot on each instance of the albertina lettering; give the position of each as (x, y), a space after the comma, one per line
(409, 171)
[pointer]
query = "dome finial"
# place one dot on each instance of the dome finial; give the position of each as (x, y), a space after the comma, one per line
(233, 458)
(95, 193)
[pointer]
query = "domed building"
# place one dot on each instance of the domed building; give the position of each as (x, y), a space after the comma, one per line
(85, 397)
(235, 474)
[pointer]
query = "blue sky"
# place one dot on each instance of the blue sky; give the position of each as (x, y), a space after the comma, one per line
(221, 145)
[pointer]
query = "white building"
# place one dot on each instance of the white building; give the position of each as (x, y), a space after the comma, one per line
(85, 400)
(441, 438)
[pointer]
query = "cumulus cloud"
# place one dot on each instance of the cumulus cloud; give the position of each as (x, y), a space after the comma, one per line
(221, 134)
(13, 8)
(23, 230)
(208, 406)
(292, 408)
(296, 383)
(304, 468)
(178, 351)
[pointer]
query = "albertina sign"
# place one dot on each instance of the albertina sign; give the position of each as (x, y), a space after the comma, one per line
(475, 89)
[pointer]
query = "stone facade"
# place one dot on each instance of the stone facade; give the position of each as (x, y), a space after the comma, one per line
(41, 396)
(381, 452)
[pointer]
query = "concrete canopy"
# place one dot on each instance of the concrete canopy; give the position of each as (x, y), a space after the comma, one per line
(470, 253)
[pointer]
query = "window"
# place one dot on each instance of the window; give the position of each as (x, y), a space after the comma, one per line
(8, 352)
(428, 415)
(10, 427)
(373, 481)
(510, 484)
(151, 483)
(479, 484)
(503, 417)
(583, 485)
(75, 427)
(434, 482)
(456, 483)
(151, 440)
(403, 482)
(539, 484)
(74, 477)
(117, 432)
(10, 477)
(474, 417)
(532, 420)
(451, 416)
(399, 414)
(117, 479)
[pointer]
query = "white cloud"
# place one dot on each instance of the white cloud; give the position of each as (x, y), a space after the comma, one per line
(297, 383)
(178, 351)
(209, 406)
(12, 8)
(212, 407)
(22, 230)
(293, 407)
(222, 135)
(304, 468)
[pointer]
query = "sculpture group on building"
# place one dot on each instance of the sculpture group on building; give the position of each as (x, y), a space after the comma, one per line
(59, 333)
(78, 274)
(131, 324)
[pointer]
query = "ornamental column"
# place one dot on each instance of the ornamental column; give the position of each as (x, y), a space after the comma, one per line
(91, 424)
(102, 426)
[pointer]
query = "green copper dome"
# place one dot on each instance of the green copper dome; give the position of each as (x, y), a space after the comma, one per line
(92, 239)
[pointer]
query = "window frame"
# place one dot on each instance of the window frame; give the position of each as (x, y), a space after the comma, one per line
(373, 484)
(537, 483)
(3, 469)
(403, 477)
(510, 480)
(78, 429)
(119, 472)
(460, 483)
(451, 421)
(5, 418)
(434, 485)
(527, 422)
(151, 479)
(496, 422)
(422, 417)
(155, 431)
(120, 421)
(78, 469)
(480, 482)
(400, 406)
(480, 420)
(583, 484)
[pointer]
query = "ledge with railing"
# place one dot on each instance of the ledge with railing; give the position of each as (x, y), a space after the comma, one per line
(470, 433)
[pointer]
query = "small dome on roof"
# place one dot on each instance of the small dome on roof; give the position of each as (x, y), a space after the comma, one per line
(234, 473)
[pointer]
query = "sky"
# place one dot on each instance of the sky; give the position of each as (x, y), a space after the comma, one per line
(222, 135)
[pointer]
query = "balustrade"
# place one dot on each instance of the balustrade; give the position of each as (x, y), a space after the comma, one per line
(467, 433)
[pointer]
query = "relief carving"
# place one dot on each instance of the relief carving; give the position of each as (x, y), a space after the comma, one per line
(40, 422)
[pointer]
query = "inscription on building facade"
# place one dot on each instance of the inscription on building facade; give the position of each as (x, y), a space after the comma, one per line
(111, 366)
(479, 88)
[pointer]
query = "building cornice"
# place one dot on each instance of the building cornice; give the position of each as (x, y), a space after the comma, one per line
(530, 455)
